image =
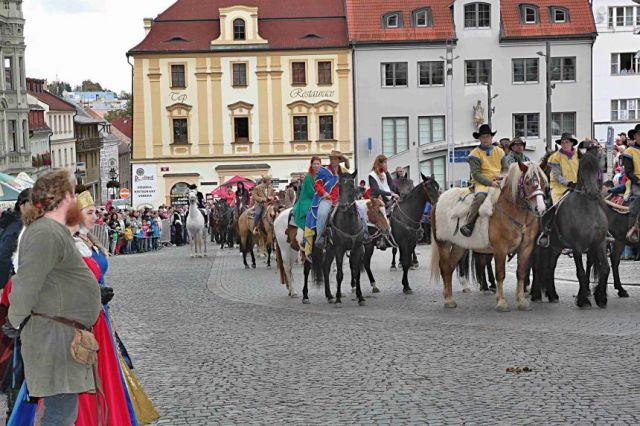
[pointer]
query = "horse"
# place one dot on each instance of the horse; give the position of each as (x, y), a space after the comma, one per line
(345, 232)
(266, 233)
(511, 228)
(196, 228)
(225, 225)
(406, 222)
(580, 224)
(214, 222)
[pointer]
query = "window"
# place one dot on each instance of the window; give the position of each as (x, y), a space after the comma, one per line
(21, 72)
(430, 129)
(392, 20)
(13, 136)
(300, 128)
(436, 167)
(622, 16)
(624, 63)
(177, 77)
(241, 129)
(180, 132)
(66, 158)
(326, 127)
(625, 109)
(430, 73)
(563, 69)
(422, 18)
(8, 74)
(477, 15)
(528, 14)
(240, 75)
(526, 125)
(239, 29)
(525, 70)
(563, 122)
(299, 73)
(25, 134)
(324, 72)
(559, 15)
(395, 135)
(478, 71)
(394, 74)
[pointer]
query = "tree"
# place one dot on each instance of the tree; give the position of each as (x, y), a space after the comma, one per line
(124, 95)
(125, 112)
(90, 86)
(59, 87)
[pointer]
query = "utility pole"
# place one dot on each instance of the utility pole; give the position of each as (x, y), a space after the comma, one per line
(449, 118)
(550, 87)
(491, 108)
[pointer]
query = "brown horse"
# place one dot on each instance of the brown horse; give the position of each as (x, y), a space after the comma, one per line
(265, 232)
(512, 228)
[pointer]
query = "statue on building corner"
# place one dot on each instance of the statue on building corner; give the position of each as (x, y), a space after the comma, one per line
(478, 114)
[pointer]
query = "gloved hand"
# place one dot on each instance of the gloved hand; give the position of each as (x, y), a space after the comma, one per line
(571, 185)
(9, 331)
(106, 294)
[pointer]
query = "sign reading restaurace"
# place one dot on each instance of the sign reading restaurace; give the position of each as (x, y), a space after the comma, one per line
(145, 184)
(306, 94)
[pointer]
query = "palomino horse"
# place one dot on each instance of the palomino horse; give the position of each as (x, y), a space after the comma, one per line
(512, 228)
(588, 234)
(196, 227)
(406, 222)
(265, 230)
(345, 232)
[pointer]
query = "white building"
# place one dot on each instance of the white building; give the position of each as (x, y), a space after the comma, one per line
(401, 82)
(616, 67)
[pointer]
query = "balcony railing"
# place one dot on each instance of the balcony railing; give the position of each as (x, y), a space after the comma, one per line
(88, 144)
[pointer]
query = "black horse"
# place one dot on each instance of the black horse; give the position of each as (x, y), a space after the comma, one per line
(478, 266)
(580, 224)
(345, 233)
(225, 224)
(406, 226)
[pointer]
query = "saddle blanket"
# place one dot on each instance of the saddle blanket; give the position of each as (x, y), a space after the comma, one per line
(451, 215)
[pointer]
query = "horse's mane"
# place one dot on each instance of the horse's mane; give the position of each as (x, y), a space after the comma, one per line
(588, 172)
(512, 180)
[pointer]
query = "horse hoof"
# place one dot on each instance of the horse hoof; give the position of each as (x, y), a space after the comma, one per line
(362, 303)
(293, 295)
(413, 267)
(502, 308)
(268, 266)
(375, 290)
(450, 305)
(466, 290)
(486, 292)
(393, 269)
(524, 306)
(253, 266)
(554, 300)
(305, 302)
(338, 304)
(407, 291)
(601, 302)
(331, 301)
(246, 266)
(623, 293)
(585, 304)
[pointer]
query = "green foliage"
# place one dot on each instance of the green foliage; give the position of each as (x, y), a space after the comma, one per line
(120, 113)
(58, 87)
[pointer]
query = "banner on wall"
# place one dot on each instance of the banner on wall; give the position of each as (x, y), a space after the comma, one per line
(145, 184)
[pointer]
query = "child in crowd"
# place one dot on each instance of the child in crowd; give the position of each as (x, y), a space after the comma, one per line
(155, 235)
(128, 237)
(145, 234)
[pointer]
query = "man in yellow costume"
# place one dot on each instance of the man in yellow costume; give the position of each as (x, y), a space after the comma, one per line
(631, 163)
(485, 162)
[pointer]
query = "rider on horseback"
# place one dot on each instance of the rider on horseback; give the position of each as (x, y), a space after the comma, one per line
(262, 195)
(381, 183)
(631, 163)
(564, 175)
(516, 153)
(327, 192)
(485, 162)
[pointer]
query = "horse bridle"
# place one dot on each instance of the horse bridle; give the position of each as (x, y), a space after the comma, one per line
(417, 228)
(537, 191)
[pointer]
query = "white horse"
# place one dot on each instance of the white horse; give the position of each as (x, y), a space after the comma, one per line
(285, 254)
(196, 228)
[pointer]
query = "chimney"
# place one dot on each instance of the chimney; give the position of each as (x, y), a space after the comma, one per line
(148, 23)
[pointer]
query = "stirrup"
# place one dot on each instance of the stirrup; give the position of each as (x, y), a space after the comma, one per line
(543, 240)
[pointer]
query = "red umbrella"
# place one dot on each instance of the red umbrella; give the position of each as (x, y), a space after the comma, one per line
(221, 191)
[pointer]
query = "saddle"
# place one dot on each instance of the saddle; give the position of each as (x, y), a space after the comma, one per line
(461, 209)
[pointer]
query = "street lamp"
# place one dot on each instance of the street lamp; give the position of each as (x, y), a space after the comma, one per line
(490, 108)
(449, 103)
(113, 184)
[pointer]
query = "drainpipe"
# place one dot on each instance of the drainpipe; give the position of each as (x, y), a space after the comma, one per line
(355, 105)
(132, 138)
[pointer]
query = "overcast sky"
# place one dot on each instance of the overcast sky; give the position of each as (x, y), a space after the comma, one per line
(77, 40)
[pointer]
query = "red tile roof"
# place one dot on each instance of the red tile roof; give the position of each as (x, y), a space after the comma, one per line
(365, 21)
(580, 20)
(55, 103)
(124, 125)
(191, 25)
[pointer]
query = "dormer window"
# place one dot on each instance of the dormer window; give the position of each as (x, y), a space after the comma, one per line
(392, 20)
(239, 29)
(422, 18)
(559, 15)
(529, 14)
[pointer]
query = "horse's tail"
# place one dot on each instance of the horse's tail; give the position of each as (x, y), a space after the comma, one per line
(462, 269)
(316, 264)
(280, 263)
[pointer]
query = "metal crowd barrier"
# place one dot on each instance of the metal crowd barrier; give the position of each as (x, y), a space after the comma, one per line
(165, 233)
(102, 234)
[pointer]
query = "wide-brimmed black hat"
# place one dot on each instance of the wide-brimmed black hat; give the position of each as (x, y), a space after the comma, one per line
(518, 140)
(632, 133)
(567, 137)
(483, 130)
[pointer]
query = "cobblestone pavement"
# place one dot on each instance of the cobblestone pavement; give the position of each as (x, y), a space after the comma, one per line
(214, 343)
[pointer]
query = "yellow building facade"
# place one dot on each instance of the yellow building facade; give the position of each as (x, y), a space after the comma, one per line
(241, 105)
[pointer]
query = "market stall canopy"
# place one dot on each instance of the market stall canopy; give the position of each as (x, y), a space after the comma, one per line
(222, 189)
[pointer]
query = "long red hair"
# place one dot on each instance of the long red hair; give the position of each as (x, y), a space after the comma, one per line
(312, 171)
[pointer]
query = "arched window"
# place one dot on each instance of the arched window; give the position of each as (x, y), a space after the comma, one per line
(392, 20)
(529, 14)
(239, 29)
(559, 15)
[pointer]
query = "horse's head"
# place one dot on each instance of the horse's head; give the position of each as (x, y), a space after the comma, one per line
(376, 215)
(431, 188)
(193, 196)
(347, 187)
(589, 171)
(527, 183)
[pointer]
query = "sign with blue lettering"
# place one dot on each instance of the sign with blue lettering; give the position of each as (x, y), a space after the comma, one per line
(459, 156)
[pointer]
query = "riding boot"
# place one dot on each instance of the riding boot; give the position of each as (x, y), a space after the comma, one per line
(544, 239)
(472, 217)
(292, 234)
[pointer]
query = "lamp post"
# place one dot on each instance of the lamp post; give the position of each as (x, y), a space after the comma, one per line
(550, 87)
(449, 119)
(490, 108)
(113, 175)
